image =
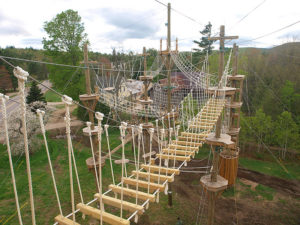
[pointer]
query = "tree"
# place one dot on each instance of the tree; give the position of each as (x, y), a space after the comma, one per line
(205, 45)
(64, 45)
(35, 94)
(286, 132)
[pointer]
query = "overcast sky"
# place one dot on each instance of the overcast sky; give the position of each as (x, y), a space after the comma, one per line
(132, 24)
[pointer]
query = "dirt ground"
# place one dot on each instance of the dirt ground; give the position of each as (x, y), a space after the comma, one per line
(243, 206)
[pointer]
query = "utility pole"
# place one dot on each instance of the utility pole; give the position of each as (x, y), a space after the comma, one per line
(214, 183)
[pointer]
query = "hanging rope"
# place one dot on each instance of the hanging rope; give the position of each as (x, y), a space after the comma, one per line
(99, 117)
(22, 77)
(122, 131)
(68, 101)
(4, 98)
(109, 152)
(140, 133)
(151, 131)
(41, 113)
(89, 125)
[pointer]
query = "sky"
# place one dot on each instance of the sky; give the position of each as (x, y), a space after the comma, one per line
(129, 25)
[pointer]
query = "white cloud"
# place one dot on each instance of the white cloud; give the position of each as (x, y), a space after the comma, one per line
(134, 24)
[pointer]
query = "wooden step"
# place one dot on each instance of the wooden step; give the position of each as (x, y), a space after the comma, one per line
(172, 157)
(201, 127)
(195, 139)
(161, 169)
(198, 135)
(181, 147)
(199, 119)
(210, 113)
(153, 176)
(115, 202)
(132, 193)
(195, 122)
(178, 152)
(186, 143)
(207, 117)
(61, 220)
(143, 184)
(106, 217)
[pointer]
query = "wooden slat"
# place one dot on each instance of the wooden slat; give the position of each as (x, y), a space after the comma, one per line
(200, 123)
(195, 139)
(199, 135)
(132, 193)
(172, 157)
(143, 184)
(106, 217)
(153, 176)
(64, 221)
(115, 202)
(161, 169)
(178, 152)
(181, 147)
(186, 143)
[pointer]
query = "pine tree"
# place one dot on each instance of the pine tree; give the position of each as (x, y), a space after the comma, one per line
(205, 45)
(35, 94)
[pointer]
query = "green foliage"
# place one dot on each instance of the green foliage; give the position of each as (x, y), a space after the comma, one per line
(64, 45)
(50, 96)
(35, 94)
(83, 115)
(205, 45)
(266, 192)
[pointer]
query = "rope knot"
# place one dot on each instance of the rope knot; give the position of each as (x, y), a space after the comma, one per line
(67, 100)
(40, 112)
(99, 116)
(20, 73)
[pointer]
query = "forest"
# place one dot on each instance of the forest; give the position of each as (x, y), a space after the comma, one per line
(271, 108)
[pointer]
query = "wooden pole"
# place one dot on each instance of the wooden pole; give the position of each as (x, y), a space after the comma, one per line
(88, 83)
(169, 57)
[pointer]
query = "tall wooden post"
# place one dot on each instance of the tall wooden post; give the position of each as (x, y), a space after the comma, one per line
(215, 183)
(169, 57)
(90, 100)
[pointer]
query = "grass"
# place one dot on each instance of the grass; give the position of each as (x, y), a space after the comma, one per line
(75, 111)
(44, 195)
(52, 97)
(272, 168)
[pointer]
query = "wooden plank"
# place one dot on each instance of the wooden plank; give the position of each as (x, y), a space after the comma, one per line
(106, 217)
(185, 138)
(132, 193)
(143, 184)
(202, 123)
(128, 206)
(172, 157)
(186, 143)
(153, 176)
(178, 152)
(198, 135)
(201, 127)
(61, 220)
(161, 169)
(181, 147)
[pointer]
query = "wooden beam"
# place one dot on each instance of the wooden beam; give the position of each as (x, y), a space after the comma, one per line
(178, 152)
(199, 135)
(61, 220)
(185, 138)
(161, 169)
(186, 143)
(143, 184)
(181, 147)
(106, 217)
(153, 176)
(128, 206)
(172, 157)
(132, 193)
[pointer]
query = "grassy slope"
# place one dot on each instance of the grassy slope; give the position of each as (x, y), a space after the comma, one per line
(45, 200)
